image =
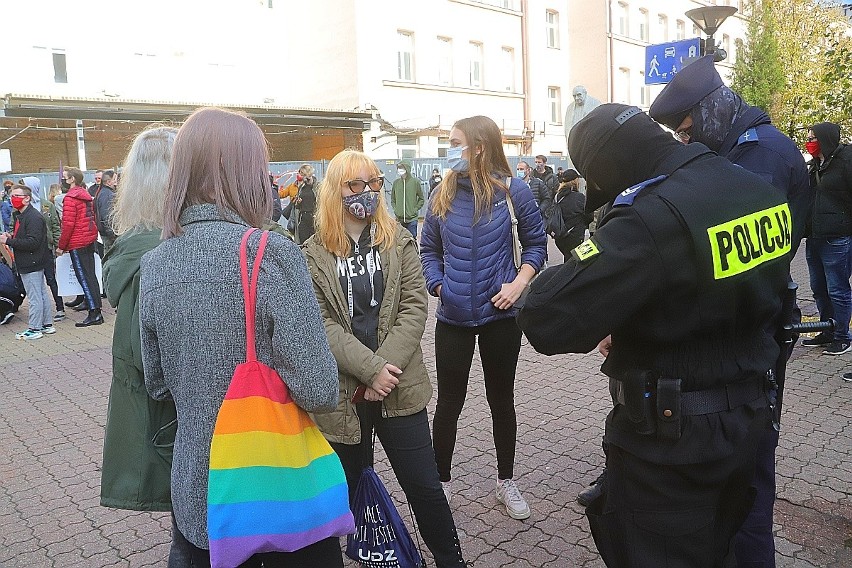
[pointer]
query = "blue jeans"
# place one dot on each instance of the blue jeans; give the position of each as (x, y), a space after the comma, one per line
(412, 227)
(830, 267)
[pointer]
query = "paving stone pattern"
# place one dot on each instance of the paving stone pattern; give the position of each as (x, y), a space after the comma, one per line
(53, 400)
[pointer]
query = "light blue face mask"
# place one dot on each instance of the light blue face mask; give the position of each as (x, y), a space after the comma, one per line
(455, 160)
(521, 173)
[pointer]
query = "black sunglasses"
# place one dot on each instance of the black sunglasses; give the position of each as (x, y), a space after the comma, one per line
(811, 138)
(359, 185)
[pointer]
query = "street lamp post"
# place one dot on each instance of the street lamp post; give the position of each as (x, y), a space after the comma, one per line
(708, 19)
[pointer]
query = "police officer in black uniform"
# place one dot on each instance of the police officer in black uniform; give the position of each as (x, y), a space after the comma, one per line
(686, 273)
(700, 108)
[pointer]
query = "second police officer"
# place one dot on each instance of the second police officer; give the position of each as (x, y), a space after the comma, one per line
(700, 108)
(686, 274)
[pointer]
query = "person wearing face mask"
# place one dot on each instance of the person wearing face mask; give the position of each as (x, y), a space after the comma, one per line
(545, 173)
(407, 198)
(829, 244)
(541, 193)
(29, 241)
(686, 274)
(370, 287)
(467, 251)
(698, 107)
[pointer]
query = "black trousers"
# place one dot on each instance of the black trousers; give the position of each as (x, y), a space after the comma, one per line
(755, 542)
(83, 261)
(499, 347)
(408, 445)
(50, 277)
(674, 516)
(323, 553)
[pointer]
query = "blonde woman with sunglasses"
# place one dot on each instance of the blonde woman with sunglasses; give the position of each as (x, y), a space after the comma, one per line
(370, 287)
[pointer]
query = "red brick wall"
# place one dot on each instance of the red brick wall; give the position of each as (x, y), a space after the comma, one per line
(107, 143)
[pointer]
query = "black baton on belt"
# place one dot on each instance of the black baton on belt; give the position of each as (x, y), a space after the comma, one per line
(787, 331)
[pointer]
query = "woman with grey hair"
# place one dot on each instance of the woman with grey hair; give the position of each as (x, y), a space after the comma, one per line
(140, 431)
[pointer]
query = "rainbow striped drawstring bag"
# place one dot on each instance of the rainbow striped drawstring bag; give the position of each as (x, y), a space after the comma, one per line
(275, 484)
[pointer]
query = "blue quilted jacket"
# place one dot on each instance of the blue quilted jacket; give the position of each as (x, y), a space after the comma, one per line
(470, 261)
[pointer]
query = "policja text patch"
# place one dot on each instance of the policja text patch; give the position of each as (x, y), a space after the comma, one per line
(586, 250)
(749, 241)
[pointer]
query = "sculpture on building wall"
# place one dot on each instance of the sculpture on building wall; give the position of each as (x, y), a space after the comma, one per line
(583, 104)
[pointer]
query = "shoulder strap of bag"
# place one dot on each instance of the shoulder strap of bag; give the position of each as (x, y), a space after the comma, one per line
(250, 288)
(516, 238)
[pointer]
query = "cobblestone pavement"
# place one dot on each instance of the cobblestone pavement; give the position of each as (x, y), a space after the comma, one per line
(53, 399)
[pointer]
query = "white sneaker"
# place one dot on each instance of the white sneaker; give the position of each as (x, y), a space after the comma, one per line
(447, 486)
(509, 494)
(48, 330)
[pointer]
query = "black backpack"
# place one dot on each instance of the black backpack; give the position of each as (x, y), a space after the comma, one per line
(554, 223)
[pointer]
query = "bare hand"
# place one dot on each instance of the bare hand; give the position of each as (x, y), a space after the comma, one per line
(59, 252)
(605, 345)
(373, 395)
(438, 290)
(508, 294)
(4, 237)
(386, 379)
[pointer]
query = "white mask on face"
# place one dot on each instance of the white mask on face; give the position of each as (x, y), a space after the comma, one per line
(400, 172)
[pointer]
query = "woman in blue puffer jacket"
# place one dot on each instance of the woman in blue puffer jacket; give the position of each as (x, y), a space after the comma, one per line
(466, 249)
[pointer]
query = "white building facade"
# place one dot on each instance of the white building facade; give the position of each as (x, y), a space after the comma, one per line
(417, 65)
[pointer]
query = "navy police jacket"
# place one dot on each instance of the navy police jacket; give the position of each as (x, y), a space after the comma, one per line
(756, 145)
(686, 274)
(473, 260)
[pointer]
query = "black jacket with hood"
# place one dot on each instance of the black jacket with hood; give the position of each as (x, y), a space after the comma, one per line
(832, 179)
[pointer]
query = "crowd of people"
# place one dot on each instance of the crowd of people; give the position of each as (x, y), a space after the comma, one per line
(73, 220)
(679, 286)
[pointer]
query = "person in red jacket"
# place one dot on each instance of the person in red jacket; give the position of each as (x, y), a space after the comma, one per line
(78, 236)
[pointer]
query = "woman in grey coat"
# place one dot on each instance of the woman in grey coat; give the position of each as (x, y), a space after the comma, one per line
(192, 315)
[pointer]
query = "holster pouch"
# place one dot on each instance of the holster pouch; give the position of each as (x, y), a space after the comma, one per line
(668, 409)
(638, 400)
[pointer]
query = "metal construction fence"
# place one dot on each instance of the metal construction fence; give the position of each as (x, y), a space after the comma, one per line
(421, 168)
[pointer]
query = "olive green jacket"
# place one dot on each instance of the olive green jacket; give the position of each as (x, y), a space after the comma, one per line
(402, 320)
(140, 431)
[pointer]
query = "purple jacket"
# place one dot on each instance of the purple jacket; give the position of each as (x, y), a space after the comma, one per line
(470, 261)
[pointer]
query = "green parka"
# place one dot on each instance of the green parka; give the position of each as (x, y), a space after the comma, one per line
(402, 320)
(140, 431)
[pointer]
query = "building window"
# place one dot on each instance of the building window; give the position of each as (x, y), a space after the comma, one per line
(644, 91)
(406, 146)
(624, 85)
(663, 23)
(726, 43)
(405, 56)
(508, 69)
(60, 72)
(554, 100)
(552, 29)
(623, 19)
(443, 144)
(475, 79)
(738, 45)
(695, 31)
(445, 61)
(644, 23)
(680, 30)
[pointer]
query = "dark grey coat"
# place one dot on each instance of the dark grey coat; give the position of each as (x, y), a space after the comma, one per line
(193, 336)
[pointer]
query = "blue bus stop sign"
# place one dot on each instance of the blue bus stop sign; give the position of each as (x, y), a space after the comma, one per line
(664, 60)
